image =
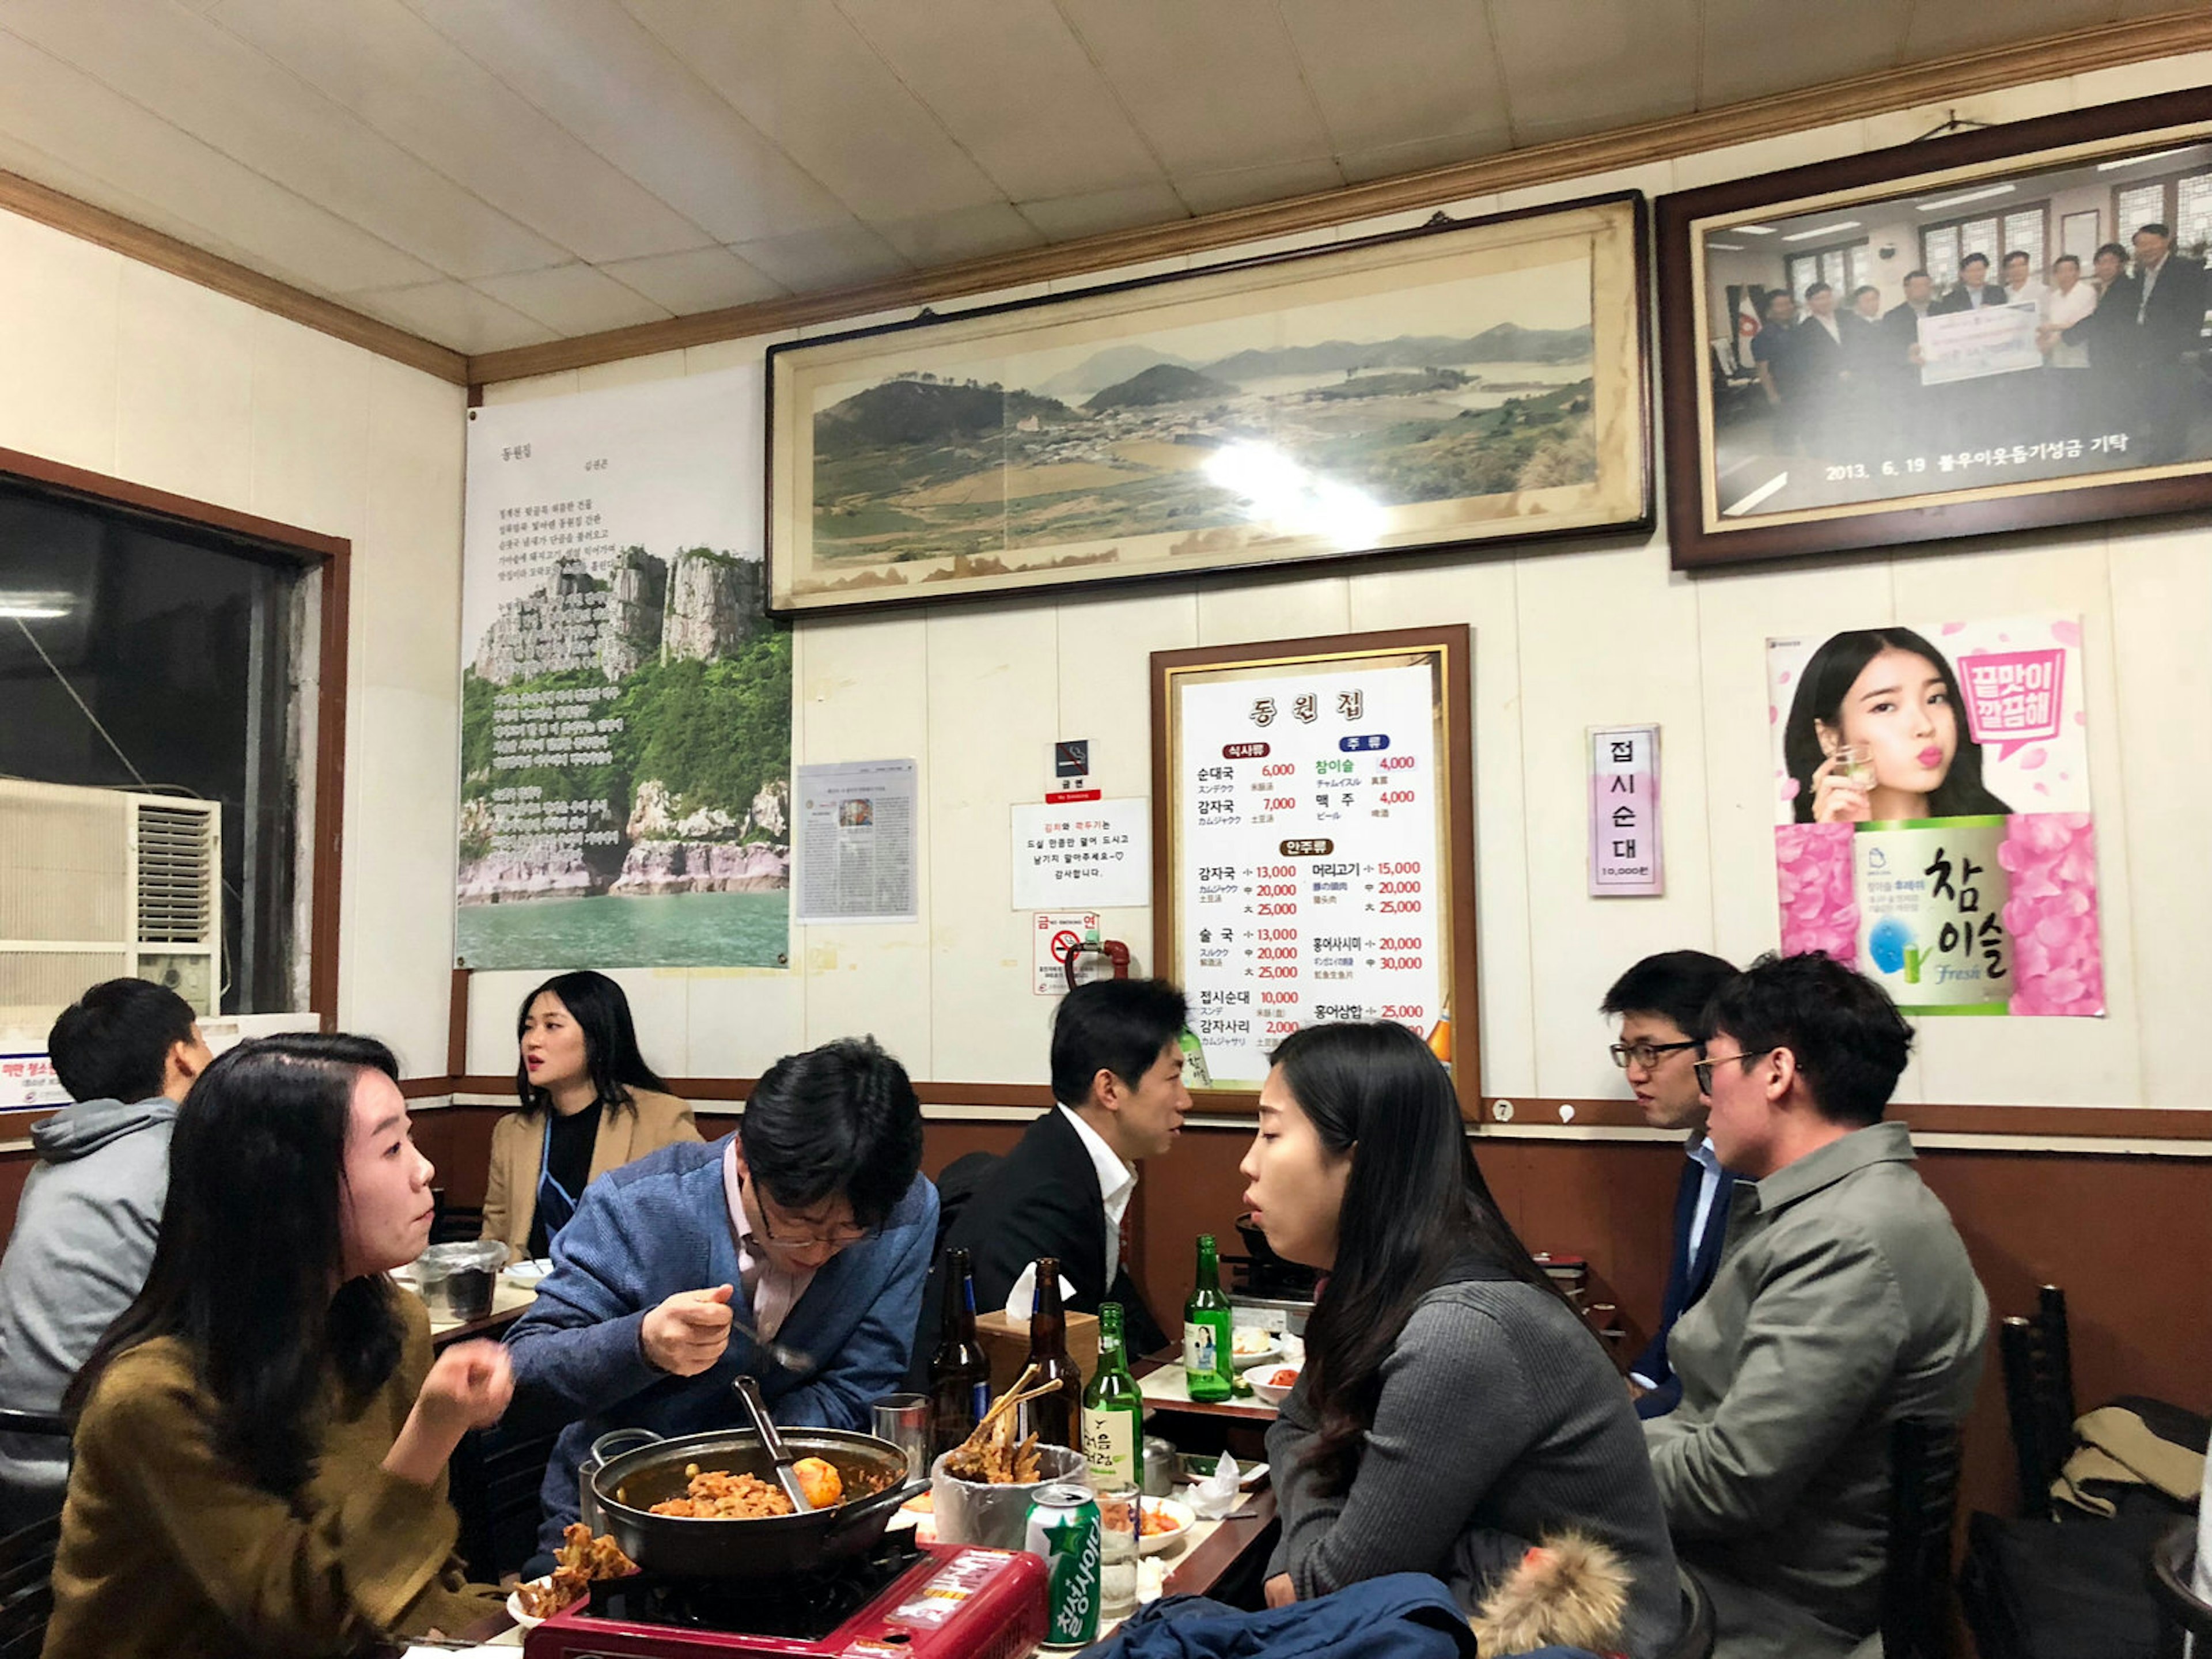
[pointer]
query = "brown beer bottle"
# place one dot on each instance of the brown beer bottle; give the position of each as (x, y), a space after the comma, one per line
(1056, 1418)
(959, 1371)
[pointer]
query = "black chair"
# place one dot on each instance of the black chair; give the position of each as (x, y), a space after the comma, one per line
(2039, 1379)
(22, 1505)
(2184, 1618)
(494, 1480)
(1697, 1636)
(1923, 1502)
(27, 1595)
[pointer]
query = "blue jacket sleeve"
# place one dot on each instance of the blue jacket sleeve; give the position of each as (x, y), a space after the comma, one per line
(873, 1360)
(578, 1346)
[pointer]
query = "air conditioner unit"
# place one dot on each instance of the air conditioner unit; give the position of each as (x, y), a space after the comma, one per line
(98, 884)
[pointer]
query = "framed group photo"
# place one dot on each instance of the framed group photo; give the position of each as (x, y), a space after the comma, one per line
(1987, 332)
(1465, 382)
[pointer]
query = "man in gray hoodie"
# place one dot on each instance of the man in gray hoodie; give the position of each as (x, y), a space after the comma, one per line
(127, 1051)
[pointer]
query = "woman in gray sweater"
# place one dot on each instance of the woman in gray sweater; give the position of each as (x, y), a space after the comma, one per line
(1452, 1411)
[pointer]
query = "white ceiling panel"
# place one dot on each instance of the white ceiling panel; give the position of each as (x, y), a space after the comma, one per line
(411, 84)
(1746, 55)
(1939, 31)
(207, 81)
(944, 238)
(454, 314)
(49, 105)
(1390, 160)
(1064, 218)
(1015, 89)
(594, 69)
(1387, 71)
(709, 279)
(1578, 66)
(573, 299)
(804, 77)
(823, 258)
(1210, 192)
(1211, 87)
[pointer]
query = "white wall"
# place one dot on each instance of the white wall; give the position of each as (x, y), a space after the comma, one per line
(1566, 637)
(111, 365)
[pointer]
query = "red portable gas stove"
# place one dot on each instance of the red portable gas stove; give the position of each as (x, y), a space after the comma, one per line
(904, 1601)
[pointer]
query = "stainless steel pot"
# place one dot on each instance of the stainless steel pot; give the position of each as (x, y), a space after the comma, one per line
(631, 1470)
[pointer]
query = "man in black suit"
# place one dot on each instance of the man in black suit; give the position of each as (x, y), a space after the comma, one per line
(1974, 288)
(1660, 1002)
(1899, 380)
(2164, 301)
(1064, 1188)
(1823, 356)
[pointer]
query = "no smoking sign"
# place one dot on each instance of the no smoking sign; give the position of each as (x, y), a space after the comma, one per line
(1056, 933)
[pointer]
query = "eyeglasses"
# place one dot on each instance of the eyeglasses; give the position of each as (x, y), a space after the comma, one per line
(1645, 1055)
(842, 1238)
(1703, 1068)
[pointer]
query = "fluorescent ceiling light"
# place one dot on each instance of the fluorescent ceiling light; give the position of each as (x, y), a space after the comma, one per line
(36, 606)
(2137, 161)
(1753, 230)
(1968, 195)
(1824, 230)
(1725, 247)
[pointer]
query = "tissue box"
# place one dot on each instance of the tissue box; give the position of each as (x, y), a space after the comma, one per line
(1007, 1343)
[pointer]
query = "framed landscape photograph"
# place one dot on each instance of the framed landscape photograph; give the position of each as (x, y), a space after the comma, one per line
(1470, 381)
(1983, 332)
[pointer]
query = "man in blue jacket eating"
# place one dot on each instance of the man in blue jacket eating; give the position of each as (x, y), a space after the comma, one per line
(810, 1227)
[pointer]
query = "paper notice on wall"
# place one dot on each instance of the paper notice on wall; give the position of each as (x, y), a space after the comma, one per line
(856, 841)
(29, 1079)
(1624, 813)
(1056, 933)
(1096, 854)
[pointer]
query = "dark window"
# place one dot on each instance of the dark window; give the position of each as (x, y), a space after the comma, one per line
(141, 655)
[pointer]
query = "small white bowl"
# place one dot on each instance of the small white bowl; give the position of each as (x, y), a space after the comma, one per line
(1273, 1393)
(529, 1273)
(1158, 1542)
(514, 1605)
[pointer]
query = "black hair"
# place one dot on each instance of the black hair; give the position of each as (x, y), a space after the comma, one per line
(2073, 259)
(1865, 287)
(1782, 293)
(1973, 257)
(842, 1118)
(2112, 248)
(2156, 227)
(113, 1042)
(1822, 685)
(1922, 274)
(1849, 1042)
(1676, 985)
(1415, 1210)
(601, 1011)
(2018, 253)
(1811, 289)
(252, 1243)
(1117, 1025)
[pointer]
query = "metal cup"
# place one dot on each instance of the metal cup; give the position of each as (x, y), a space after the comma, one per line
(903, 1419)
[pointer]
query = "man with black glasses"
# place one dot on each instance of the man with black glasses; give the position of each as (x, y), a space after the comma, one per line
(808, 1228)
(1659, 1002)
(1844, 1303)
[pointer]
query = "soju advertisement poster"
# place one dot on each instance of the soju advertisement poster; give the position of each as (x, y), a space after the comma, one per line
(625, 699)
(1932, 820)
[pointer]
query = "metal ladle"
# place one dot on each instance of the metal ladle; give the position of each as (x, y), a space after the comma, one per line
(786, 1476)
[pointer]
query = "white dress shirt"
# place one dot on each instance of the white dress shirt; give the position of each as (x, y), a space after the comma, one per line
(771, 1292)
(1117, 1183)
(2063, 309)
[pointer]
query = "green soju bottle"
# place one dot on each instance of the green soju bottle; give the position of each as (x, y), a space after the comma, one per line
(1209, 1350)
(1113, 1408)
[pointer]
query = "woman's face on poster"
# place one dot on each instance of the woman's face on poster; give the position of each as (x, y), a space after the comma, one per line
(1900, 708)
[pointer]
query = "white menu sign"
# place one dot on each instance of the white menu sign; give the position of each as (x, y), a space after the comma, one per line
(1311, 856)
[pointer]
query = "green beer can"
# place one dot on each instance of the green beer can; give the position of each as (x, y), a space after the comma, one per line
(1063, 1528)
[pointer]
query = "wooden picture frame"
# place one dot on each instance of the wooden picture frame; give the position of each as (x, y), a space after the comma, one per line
(1861, 443)
(1476, 381)
(1328, 892)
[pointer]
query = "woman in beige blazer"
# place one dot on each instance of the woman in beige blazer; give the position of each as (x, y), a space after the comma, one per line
(590, 1104)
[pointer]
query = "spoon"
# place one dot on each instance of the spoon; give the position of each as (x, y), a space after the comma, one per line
(789, 1359)
(787, 1477)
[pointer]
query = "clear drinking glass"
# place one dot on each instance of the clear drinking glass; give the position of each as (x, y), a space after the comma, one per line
(1854, 764)
(1119, 1520)
(903, 1419)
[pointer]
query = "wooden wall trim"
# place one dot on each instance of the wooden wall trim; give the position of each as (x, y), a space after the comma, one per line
(49, 206)
(2104, 46)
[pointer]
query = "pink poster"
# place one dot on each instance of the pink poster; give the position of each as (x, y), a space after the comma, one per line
(1933, 823)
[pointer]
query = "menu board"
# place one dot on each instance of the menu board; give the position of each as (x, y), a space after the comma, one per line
(1311, 857)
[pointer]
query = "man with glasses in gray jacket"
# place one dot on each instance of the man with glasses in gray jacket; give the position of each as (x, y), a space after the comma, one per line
(1843, 1302)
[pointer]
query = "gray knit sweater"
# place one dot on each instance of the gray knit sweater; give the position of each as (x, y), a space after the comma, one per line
(1500, 1422)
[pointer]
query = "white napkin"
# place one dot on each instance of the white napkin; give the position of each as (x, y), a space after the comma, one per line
(1215, 1496)
(1022, 1296)
(1151, 1578)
